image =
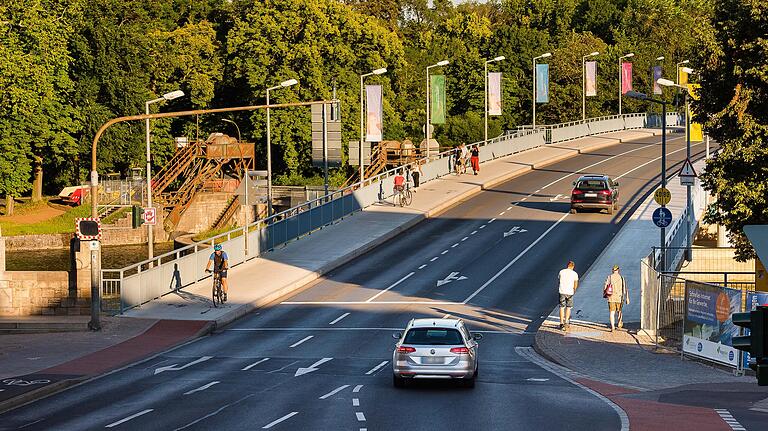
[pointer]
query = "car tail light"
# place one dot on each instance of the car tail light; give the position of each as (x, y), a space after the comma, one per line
(405, 349)
(460, 350)
(577, 192)
(605, 192)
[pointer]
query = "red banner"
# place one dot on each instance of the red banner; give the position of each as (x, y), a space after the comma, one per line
(626, 77)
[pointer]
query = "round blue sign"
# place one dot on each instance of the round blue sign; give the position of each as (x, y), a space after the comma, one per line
(699, 347)
(662, 217)
(730, 355)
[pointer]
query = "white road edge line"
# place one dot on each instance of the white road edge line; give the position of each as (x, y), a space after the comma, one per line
(512, 262)
(376, 368)
(390, 287)
(360, 416)
(528, 353)
(338, 319)
(133, 416)
(651, 161)
(260, 361)
(202, 388)
(334, 392)
(307, 338)
(357, 388)
(273, 423)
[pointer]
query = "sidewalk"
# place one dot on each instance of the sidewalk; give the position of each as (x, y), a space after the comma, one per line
(45, 364)
(656, 389)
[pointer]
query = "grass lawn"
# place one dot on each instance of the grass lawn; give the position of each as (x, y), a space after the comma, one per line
(64, 223)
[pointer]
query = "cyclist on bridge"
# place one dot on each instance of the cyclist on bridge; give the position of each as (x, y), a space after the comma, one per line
(220, 262)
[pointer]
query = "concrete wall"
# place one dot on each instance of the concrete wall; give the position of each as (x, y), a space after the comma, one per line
(203, 211)
(27, 293)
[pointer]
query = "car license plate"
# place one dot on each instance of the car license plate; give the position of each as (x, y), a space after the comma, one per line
(432, 360)
(590, 195)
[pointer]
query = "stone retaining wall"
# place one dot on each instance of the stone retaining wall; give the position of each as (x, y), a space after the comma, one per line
(27, 293)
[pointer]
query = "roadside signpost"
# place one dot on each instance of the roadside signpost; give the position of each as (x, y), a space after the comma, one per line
(662, 196)
(662, 217)
(687, 174)
(150, 216)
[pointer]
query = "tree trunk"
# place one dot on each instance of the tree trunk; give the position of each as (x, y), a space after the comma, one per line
(37, 182)
(9, 205)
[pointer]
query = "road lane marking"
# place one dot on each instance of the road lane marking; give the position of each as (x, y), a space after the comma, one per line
(376, 368)
(311, 368)
(175, 368)
(423, 266)
(338, 319)
(651, 161)
(215, 412)
(465, 238)
(202, 388)
(133, 416)
(434, 259)
(492, 220)
(536, 379)
(307, 338)
(510, 208)
(355, 402)
(390, 287)
(334, 392)
(447, 316)
(444, 251)
(512, 262)
(482, 227)
(340, 329)
(473, 232)
(502, 213)
(370, 303)
(360, 416)
(726, 416)
(455, 245)
(273, 423)
(283, 368)
(357, 388)
(260, 361)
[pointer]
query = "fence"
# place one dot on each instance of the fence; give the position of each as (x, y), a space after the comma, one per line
(153, 278)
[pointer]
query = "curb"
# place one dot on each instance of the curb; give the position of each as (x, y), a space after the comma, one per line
(38, 394)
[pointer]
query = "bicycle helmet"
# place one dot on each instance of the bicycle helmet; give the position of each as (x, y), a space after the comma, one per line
(217, 247)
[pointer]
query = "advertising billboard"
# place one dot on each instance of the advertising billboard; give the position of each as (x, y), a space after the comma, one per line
(709, 330)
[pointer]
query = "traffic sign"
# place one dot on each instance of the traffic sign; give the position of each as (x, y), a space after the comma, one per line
(662, 217)
(662, 196)
(88, 229)
(150, 216)
(687, 169)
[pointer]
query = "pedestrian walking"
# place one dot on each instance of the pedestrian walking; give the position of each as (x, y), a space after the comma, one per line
(616, 292)
(569, 282)
(416, 175)
(475, 159)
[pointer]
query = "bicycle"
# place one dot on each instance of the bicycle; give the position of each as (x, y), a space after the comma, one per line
(218, 293)
(404, 196)
(460, 166)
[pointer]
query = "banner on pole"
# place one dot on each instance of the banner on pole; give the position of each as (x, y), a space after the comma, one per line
(656, 77)
(542, 83)
(626, 77)
(437, 107)
(373, 108)
(494, 93)
(683, 76)
(590, 84)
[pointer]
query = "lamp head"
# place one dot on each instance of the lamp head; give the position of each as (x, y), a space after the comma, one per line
(660, 58)
(380, 71)
(442, 63)
(288, 83)
(631, 54)
(173, 95)
(665, 82)
(684, 62)
(636, 95)
(594, 54)
(545, 55)
(499, 58)
(688, 70)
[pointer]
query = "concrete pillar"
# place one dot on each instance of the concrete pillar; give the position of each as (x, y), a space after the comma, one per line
(722, 238)
(82, 270)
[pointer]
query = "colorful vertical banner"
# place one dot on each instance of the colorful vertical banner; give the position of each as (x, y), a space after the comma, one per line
(542, 83)
(373, 110)
(683, 76)
(494, 93)
(590, 84)
(437, 106)
(626, 77)
(656, 77)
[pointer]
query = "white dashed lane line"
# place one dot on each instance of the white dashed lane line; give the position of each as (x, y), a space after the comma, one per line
(133, 416)
(336, 320)
(360, 416)
(273, 423)
(464, 239)
(202, 388)
(356, 402)
(444, 251)
(422, 266)
(473, 232)
(334, 392)
(376, 368)
(248, 367)
(307, 338)
(434, 259)
(455, 245)
(492, 220)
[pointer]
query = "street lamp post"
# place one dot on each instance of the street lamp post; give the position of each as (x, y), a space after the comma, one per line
(621, 72)
(485, 115)
(287, 83)
(642, 96)
(584, 84)
(236, 127)
(362, 119)
(545, 55)
(150, 233)
(426, 126)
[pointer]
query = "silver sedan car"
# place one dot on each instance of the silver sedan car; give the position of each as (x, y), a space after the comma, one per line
(435, 348)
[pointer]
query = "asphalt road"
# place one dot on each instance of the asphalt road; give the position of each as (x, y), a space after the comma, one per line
(319, 360)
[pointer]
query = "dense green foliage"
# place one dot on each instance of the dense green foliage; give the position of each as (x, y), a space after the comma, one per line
(70, 65)
(734, 106)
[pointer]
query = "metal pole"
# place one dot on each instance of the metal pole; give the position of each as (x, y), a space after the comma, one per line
(485, 112)
(663, 178)
(269, 162)
(534, 93)
(95, 323)
(362, 168)
(325, 146)
(247, 211)
(620, 82)
(688, 202)
(426, 126)
(583, 89)
(150, 233)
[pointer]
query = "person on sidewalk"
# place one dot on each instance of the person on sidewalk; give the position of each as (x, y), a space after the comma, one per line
(569, 282)
(416, 175)
(475, 159)
(615, 291)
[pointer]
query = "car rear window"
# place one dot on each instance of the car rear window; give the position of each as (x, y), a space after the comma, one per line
(433, 336)
(591, 185)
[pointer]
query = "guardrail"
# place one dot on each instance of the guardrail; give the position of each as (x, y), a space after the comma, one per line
(150, 279)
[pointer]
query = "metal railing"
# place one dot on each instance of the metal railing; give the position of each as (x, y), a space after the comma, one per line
(166, 273)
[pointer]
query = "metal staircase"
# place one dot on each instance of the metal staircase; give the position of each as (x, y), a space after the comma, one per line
(228, 213)
(175, 167)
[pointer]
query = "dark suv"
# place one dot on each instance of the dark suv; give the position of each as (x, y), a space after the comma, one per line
(595, 191)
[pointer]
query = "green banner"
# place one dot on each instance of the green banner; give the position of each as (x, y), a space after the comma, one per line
(437, 107)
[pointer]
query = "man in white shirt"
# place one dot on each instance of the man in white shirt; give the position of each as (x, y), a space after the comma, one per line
(569, 282)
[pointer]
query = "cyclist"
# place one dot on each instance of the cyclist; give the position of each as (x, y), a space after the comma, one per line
(220, 262)
(399, 182)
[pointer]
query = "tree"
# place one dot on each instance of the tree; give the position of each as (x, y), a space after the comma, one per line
(734, 107)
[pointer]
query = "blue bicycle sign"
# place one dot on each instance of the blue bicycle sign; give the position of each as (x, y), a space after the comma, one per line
(662, 217)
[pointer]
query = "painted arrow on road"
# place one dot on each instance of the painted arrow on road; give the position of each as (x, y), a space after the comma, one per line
(311, 368)
(175, 367)
(556, 198)
(454, 276)
(514, 230)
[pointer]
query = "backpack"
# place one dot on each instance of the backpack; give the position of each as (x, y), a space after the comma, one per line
(608, 290)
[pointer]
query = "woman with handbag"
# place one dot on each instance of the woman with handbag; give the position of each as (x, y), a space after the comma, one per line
(615, 291)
